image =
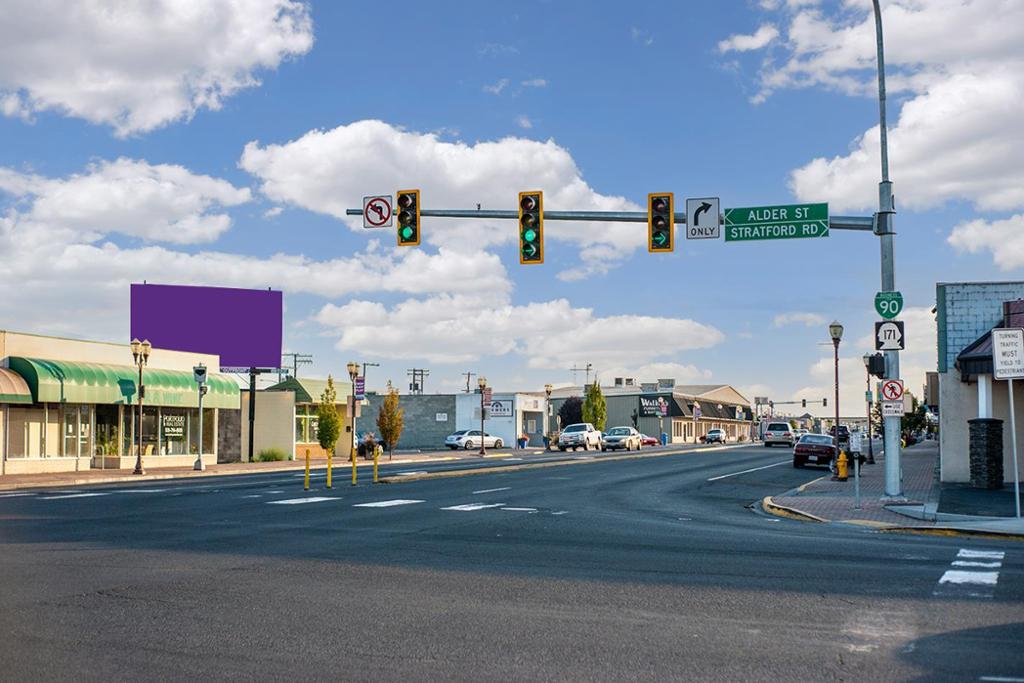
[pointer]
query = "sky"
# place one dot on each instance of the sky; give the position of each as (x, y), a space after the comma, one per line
(220, 143)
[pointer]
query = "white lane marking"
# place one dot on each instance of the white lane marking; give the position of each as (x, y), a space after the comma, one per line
(276, 491)
(560, 512)
(982, 554)
(473, 507)
(961, 577)
(139, 490)
(990, 565)
(511, 459)
(752, 469)
(16, 495)
(409, 474)
(254, 495)
(300, 501)
(1001, 679)
(520, 509)
(74, 495)
(387, 503)
(503, 488)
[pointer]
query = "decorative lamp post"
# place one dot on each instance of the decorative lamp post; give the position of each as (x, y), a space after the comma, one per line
(353, 372)
(482, 383)
(835, 331)
(547, 415)
(140, 353)
(867, 399)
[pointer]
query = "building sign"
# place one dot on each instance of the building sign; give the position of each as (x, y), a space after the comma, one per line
(500, 409)
(653, 406)
(172, 426)
(440, 417)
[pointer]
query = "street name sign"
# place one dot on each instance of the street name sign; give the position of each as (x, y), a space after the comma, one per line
(703, 219)
(892, 390)
(892, 409)
(377, 211)
(776, 222)
(1008, 353)
(889, 304)
(889, 336)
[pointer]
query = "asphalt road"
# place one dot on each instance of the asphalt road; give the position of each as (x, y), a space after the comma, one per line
(649, 569)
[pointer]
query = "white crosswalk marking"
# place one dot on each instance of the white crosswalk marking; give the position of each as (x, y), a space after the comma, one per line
(972, 576)
(959, 576)
(409, 474)
(967, 563)
(473, 507)
(981, 554)
(74, 495)
(300, 501)
(387, 503)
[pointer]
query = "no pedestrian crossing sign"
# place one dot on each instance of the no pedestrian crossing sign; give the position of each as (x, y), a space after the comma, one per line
(1008, 353)
(892, 390)
(790, 221)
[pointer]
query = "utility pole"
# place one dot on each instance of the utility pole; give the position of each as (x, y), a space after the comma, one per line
(418, 376)
(469, 375)
(883, 228)
(586, 369)
(297, 360)
(368, 365)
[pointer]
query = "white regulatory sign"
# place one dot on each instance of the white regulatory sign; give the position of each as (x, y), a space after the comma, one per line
(703, 219)
(892, 390)
(1008, 353)
(891, 409)
(377, 211)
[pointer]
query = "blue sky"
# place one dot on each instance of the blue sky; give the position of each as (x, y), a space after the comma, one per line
(223, 149)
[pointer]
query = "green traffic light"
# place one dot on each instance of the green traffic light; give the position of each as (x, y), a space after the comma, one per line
(407, 233)
(659, 238)
(529, 250)
(530, 235)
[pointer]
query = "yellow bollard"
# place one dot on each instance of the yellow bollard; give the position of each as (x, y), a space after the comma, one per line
(842, 467)
(376, 455)
(307, 469)
(330, 466)
(353, 467)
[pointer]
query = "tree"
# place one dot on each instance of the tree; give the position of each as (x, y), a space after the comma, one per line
(915, 420)
(329, 427)
(595, 409)
(390, 419)
(571, 411)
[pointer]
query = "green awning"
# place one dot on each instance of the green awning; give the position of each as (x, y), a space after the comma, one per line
(310, 390)
(13, 388)
(52, 381)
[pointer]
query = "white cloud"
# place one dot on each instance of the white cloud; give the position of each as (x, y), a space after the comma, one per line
(1004, 238)
(328, 171)
(524, 122)
(805, 319)
(764, 35)
(641, 36)
(465, 327)
(957, 135)
(535, 83)
(497, 88)
(138, 66)
(160, 203)
(273, 212)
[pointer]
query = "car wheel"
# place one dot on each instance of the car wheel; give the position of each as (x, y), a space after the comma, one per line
(639, 445)
(468, 445)
(499, 444)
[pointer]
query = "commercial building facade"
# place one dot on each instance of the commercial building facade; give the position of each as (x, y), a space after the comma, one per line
(69, 405)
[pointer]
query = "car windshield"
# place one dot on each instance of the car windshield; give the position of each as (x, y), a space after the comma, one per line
(816, 439)
(575, 428)
(715, 431)
(618, 431)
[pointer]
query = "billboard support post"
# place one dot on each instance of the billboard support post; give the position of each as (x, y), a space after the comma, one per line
(252, 409)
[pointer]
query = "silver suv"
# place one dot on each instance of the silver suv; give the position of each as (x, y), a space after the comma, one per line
(779, 432)
(581, 434)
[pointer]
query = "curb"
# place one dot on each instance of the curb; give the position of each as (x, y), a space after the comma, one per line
(771, 507)
(540, 465)
(953, 533)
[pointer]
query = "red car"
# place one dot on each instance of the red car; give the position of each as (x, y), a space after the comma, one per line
(648, 440)
(814, 449)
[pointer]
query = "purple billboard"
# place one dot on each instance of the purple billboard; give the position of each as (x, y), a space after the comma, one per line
(242, 326)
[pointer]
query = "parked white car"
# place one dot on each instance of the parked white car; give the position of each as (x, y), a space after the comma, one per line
(580, 435)
(470, 438)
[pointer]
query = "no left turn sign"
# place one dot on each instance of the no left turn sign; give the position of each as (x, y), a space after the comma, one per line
(377, 211)
(892, 390)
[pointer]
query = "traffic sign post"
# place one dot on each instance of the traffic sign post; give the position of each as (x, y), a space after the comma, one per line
(703, 219)
(889, 304)
(889, 336)
(790, 221)
(1008, 364)
(377, 211)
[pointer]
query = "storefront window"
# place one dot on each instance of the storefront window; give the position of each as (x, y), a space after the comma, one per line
(172, 431)
(306, 423)
(25, 431)
(85, 430)
(209, 421)
(107, 433)
(149, 431)
(53, 441)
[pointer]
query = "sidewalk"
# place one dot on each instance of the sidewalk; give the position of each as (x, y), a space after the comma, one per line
(13, 482)
(824, 500)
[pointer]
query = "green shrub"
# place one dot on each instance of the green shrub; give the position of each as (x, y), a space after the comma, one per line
(271, 455)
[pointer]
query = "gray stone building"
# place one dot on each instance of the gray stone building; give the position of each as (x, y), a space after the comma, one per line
(429, 418)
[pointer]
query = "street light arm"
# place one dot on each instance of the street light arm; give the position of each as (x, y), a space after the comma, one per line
(881, 92)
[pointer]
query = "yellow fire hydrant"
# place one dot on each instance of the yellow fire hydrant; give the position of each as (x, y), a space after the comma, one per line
(842, 467)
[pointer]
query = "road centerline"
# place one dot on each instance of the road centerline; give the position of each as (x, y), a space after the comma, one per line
(752, 469)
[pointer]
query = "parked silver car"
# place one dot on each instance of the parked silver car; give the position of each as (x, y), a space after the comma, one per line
(779, 432)
(470, 438)
(622, 437)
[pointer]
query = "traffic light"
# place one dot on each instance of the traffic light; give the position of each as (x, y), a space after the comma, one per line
(408, 218)
(803, 401)
(876, 365)
(824, 403)
(531, 227)
(660, 216)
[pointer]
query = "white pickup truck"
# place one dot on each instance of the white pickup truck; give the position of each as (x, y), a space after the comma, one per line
(581, 434)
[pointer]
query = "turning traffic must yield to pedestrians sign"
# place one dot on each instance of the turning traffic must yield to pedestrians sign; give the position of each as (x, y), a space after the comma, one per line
(703, 218)
(1008, 353)
(889, 336)
(377, 211)
(791, 221)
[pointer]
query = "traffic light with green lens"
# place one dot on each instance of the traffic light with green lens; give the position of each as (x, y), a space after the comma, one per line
(531, 227)
(660, 218)
(408, 218)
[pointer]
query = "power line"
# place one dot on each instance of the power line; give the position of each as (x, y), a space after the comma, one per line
(469, 375)
(418, 375)
(297, 360)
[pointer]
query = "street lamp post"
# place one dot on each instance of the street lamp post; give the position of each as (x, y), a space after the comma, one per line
(835, 330)
(547, 415)
(867, 399)
(482, 383)
(353, 372)
(140, 353)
